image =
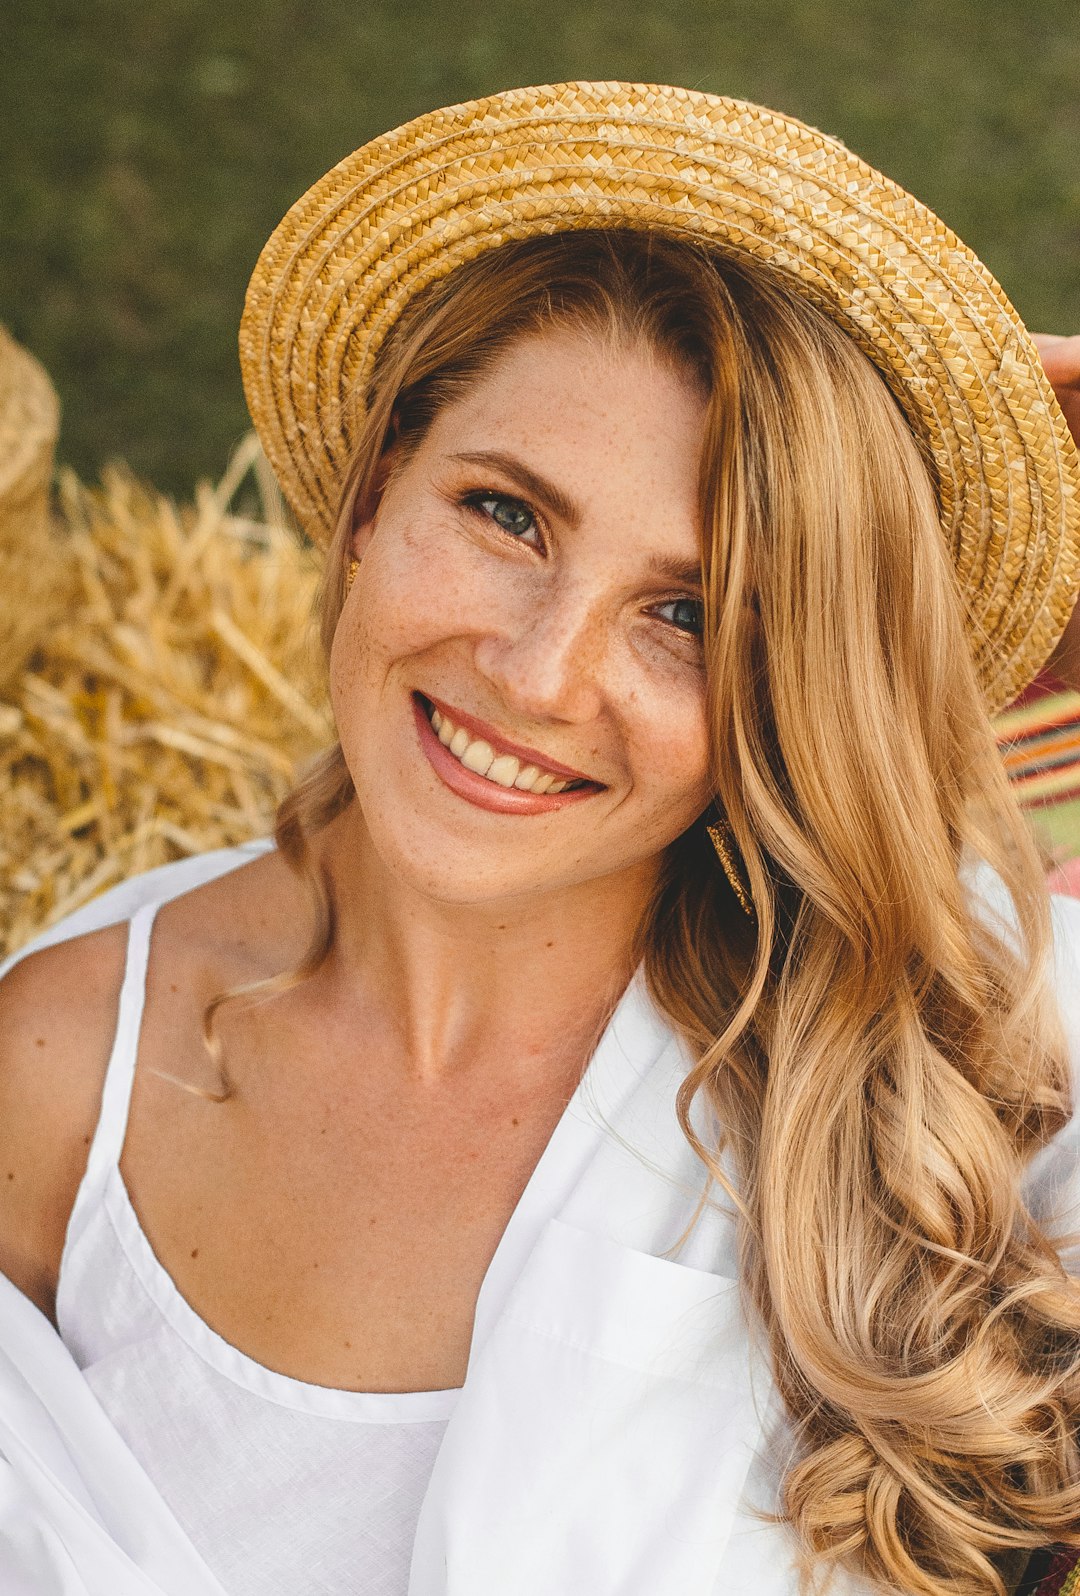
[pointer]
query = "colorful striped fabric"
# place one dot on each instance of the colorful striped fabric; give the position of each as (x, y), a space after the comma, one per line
(1039, 736)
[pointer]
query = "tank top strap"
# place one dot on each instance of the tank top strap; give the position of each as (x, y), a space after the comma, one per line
(108, 1141)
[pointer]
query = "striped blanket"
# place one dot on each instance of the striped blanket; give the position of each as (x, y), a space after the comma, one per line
(1039, 736)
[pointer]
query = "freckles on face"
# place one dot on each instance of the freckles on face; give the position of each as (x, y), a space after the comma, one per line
(535, 565)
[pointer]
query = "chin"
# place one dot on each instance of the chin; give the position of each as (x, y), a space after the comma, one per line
(453, 875)
(427, 858)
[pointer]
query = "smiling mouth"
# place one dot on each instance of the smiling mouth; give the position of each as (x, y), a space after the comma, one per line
(502, 769)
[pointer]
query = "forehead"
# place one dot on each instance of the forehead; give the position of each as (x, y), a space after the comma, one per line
(608, 423)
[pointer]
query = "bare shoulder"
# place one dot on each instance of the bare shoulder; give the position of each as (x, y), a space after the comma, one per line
(58, 1011)
(58, 1017)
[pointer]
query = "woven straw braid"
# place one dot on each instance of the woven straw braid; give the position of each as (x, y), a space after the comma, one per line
(415, 203)
(31, 585)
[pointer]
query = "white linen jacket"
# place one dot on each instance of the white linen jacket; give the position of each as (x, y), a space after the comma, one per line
(618, 1432)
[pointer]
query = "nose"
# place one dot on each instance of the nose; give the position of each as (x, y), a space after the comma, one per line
(547, 661)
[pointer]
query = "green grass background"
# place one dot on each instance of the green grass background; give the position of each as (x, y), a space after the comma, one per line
(148, 147)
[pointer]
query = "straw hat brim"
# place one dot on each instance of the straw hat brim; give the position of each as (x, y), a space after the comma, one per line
(416, 202)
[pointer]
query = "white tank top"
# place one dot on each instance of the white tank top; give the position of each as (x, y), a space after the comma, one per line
(286, 1489)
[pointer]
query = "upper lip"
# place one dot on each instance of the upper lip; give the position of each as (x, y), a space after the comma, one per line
(503, 744)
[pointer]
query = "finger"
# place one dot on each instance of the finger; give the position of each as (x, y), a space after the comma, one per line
(1061, 359)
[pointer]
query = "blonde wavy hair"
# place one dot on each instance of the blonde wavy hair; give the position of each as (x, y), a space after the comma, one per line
(883, 1058)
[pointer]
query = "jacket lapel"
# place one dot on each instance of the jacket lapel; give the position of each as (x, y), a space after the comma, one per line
(602, 1440)
(614, 1403)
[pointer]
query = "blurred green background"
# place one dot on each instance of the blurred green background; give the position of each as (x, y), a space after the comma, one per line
(148, 147)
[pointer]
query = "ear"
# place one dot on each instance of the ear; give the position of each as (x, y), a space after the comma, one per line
(366, 508)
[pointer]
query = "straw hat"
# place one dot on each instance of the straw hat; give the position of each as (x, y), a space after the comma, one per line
(31, 582)
(415, 202)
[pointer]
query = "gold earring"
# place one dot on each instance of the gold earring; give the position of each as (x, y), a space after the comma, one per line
(354, 566)
(723, 840)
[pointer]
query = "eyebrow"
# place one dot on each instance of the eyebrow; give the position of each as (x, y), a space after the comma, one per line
(670, 567)
(539, 487)
(680, 572)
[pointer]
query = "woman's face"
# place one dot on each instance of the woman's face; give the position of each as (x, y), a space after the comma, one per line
(531, 574)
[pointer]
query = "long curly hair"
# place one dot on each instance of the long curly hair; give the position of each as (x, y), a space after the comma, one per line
(882, 1053)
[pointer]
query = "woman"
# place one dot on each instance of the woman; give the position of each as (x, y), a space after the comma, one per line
(607, 1141)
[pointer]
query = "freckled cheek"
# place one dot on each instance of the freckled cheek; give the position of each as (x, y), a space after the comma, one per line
(396, 611)
(423, 591)
(673, 753)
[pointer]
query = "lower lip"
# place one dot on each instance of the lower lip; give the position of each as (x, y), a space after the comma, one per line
(477, 789)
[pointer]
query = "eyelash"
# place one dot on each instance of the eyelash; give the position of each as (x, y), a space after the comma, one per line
(476, 500)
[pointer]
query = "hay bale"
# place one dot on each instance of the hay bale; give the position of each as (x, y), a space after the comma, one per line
(32, 570)
(169, 709)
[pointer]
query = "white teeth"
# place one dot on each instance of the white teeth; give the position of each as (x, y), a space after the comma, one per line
(503, 769)
(479, 756)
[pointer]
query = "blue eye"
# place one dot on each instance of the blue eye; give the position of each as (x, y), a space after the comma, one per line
(689, 615)
(509, 515)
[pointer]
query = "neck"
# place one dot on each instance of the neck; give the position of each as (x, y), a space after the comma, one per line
(498, 986)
